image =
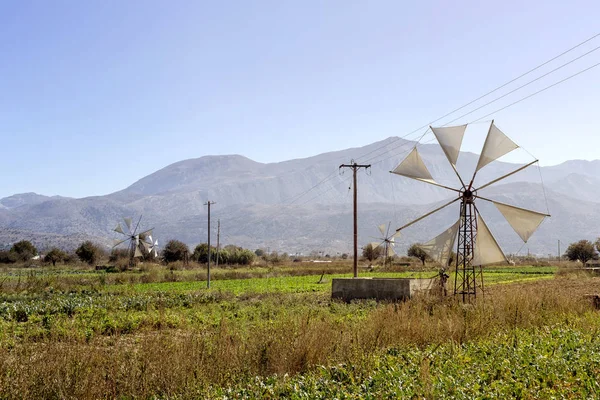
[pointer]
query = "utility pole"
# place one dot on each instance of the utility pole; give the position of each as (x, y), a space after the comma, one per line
(558, 250)
(218, 238)
(208, 203)
(355, 167)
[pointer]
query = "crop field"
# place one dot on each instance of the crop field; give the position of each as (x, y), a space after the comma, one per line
(274, 332)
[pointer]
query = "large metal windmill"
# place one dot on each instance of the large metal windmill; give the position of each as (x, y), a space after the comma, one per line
(476, 246)
(137, 242)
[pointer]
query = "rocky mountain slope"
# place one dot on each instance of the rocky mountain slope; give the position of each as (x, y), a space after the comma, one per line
(305, 204)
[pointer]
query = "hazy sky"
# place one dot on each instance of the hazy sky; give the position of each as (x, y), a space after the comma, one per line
(97, 94)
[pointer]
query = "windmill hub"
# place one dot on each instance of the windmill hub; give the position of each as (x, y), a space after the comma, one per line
(467, 195)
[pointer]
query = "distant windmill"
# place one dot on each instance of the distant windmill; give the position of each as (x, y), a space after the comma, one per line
(137, 242)
(387, 241)
(476, 245)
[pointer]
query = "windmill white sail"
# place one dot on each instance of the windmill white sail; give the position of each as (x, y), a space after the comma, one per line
(524, 222)
(440, 247)
(137, 242)
(476, 245)
(413, 167)
(450, 139)
(487, 251)
(496, 145)
(387, 242)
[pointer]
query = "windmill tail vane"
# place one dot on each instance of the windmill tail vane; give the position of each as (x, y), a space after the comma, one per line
(474, 242)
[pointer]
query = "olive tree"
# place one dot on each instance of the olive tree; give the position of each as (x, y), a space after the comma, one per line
(416, 251)
(175, 250)
(371, 252)
(88, 252)
(24, 250)
(582, 250)
(55, 255)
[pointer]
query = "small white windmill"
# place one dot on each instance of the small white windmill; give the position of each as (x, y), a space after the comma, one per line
(476, 245)
(387, 241)
(137, 242)
(151, 246)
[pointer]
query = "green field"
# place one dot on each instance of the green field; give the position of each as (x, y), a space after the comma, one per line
(156, 333)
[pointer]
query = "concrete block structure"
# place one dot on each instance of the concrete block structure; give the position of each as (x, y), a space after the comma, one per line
(381, 289)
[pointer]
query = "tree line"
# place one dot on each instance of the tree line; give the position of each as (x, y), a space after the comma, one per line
(90, 253)
(583, 251)
(24, 251)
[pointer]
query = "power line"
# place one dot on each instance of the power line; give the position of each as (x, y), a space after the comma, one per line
(488, 93)
(328, 177)
(295, 198)
(283, 210)
(401, 145)
(523, 75)
(511, 92)
(539, 91)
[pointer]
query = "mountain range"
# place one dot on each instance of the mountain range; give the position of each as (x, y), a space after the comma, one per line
(305, 205)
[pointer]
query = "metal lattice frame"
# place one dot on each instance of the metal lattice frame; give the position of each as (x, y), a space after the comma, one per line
(466, 275)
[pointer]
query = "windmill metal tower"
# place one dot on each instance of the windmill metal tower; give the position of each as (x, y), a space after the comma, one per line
(476, 246)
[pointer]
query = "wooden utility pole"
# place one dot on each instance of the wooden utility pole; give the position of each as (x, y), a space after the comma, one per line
(355, 167)
(559, 250)
(218, 238)
(208, 203)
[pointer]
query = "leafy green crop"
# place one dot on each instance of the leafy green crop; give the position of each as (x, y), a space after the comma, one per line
(554, 362)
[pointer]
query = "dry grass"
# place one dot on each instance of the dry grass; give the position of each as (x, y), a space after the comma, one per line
(186, 362)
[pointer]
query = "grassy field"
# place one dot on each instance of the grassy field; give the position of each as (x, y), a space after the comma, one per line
(156, 333)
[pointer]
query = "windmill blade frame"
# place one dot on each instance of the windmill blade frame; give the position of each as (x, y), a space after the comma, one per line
(416, 169)
(128, 222)
(523, 221)
(471, 249)
(450, 145)
(426, 215)
(507, 175)
(137, 225)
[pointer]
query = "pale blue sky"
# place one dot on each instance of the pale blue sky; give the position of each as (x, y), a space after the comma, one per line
(97, 94)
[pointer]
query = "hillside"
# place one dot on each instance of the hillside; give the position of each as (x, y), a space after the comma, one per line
(305, 204)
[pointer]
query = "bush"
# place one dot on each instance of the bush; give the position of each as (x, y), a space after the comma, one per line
(583, 251)
(243, 257)
(224, 256)
(370, 252)
(8, 257)
(55, 255)
(118, 254)
(175, 251)
(416, 251)
(201, 253)
(24, 250)
(88, 252)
